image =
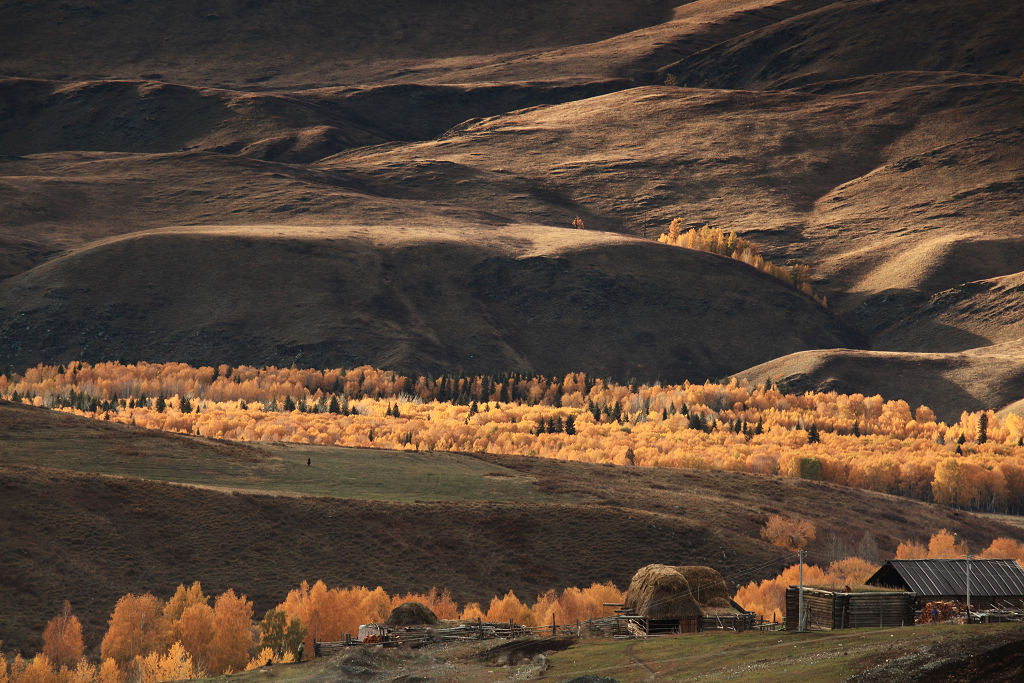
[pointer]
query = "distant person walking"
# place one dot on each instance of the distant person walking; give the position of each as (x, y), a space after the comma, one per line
(298, 653)
(308, 461)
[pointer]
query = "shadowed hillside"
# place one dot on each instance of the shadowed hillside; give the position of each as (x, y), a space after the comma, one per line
(305, 42)
(972, 314)
(393, 183)
(859, 37)
(523, 297)
(151, 116)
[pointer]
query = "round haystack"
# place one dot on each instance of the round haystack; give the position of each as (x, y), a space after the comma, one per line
(706, 586)
(658, 591)
(412, 614)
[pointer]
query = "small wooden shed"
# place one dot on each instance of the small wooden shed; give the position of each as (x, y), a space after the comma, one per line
(830, 609)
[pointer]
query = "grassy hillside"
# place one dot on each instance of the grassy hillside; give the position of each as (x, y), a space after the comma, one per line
(425, 300)
(297, 42)
(90, 519)
(874, 141)
(987, 377)
(926, 653)
(878, 36)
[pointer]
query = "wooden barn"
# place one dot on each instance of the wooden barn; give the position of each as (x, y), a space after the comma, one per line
(665, 599)
(832, 609)
(994, 583)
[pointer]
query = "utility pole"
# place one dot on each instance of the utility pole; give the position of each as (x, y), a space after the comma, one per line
(968, 588)
(801, 619)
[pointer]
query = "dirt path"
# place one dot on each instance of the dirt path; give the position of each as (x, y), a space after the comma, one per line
(630, 652)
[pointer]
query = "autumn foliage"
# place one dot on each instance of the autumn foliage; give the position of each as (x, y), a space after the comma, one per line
(791, 534)
(330, 613)
(149, 640)
(731, 245)
(214, 639)
(62, 638)
(863, 441)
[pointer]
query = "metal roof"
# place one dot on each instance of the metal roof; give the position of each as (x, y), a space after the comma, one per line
(989, 578)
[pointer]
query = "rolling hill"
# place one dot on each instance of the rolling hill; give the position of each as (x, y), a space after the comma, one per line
(983, 378)
(425, 300)
(877, 142)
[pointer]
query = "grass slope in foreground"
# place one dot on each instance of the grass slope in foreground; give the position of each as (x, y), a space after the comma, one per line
(522, 524)
(990, 652)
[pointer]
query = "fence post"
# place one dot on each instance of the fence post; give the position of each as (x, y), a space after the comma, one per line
(552, 623)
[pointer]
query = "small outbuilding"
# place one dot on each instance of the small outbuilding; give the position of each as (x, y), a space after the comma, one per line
(994, 583)
(827, 609)
(412, 614)
(682, 599)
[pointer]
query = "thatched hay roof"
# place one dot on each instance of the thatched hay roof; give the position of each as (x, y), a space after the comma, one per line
(412, 614)
(658, 591)
(707, 586)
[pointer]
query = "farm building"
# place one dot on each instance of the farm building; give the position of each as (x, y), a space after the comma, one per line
(669, 599)
(994, 583)
(830, 609)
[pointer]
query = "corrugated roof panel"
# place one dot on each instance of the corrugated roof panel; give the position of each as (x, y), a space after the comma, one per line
(995, 578)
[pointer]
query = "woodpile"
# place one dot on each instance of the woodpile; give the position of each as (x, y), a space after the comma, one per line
(941, 610)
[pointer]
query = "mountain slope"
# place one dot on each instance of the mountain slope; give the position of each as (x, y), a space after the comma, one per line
(985, 378)
(860, 37)
(421, 299)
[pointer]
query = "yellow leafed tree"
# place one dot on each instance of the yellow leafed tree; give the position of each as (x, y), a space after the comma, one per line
(62, 638)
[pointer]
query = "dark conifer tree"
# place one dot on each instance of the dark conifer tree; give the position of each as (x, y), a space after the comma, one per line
(812, 434)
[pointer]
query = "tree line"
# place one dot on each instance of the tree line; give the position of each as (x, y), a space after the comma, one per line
(191, 634)
(862, 441)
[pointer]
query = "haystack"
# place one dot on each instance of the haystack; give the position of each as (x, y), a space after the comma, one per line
(412, 614)
(658, 591)
(707, 586)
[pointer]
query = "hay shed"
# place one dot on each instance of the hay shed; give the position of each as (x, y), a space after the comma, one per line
(682, 599)
(707, 587)
(412, 614)
(659, 591)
